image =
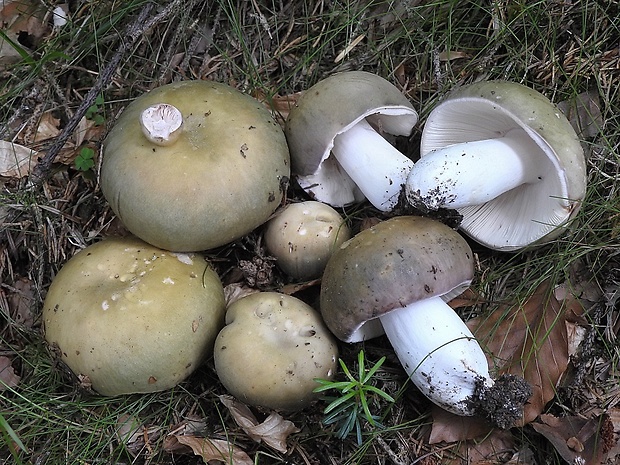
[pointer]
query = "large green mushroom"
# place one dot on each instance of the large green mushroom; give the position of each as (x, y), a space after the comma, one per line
(128, 317)
(194, 165)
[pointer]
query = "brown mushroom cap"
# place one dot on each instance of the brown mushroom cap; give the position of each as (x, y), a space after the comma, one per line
(221, 178)
(388, 266)
(132, 318)
(272, 348)
(302, 237)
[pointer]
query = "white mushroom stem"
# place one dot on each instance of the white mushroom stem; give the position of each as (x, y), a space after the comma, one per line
(438, 352)
(473, 173)
(378, 169)
(161, 124)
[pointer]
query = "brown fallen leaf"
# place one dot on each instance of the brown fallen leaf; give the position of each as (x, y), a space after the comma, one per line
(528, 340)
(48, 127)
(578, 440)
(613, 456)
(274, 431)
(8, 377)
(584, 113)
(495, 449)
(23, 302)
(209, 449)
(16, 161)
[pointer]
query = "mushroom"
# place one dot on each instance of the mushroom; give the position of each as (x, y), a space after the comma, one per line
(506, 158)
(302, 237)
(194, 165)
(128, 317)
(397, 277)
(271, 350)
(337, 138)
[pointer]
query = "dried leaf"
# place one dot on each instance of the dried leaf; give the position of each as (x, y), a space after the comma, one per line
(449, 55)
(613, 455)
(209, 449)
(23, 302)
(48, 127)
(584, 113)
(494, 449)
(16, 161)
(531, 341)
(448, 427)
(274, 431)
(578, 440)
(528, 340)
(8, 378)
(20, 17)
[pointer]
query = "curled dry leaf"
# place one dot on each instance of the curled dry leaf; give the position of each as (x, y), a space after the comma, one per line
(236, 291)
(274, 431)
(135, 436)
(578, 440)
(16, 161)
(8, 378)
(209, 449)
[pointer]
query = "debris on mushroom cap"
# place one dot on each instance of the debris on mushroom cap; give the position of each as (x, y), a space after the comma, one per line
(335, 134)
(272, 348)
(302, 237)
(210, 182)
(133, 318)
(553, 164)
(161, 124)
(388, 266)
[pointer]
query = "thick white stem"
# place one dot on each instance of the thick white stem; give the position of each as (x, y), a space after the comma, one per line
(438, 352)
(378, 169)
(161, 124)
(472, 173)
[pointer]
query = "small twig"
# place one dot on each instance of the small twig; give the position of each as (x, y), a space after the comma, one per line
(133, 32)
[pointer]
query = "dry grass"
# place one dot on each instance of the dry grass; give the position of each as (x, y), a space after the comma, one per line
(272, 50)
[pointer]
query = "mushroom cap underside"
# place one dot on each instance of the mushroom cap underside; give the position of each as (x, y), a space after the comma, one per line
(131, 318)
(219, 180)
(388, 266)
(531, 213)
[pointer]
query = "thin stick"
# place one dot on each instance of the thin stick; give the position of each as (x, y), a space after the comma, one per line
(133, 32)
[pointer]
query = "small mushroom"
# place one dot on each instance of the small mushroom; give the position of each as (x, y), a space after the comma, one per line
(397, 277)
(271, 350)
(194, 165)
(302, 237)
(337, 137)
(131, 318)
(506, 158)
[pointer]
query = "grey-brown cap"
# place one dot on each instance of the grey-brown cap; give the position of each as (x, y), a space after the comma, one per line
(388, 266)
(330, 108)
